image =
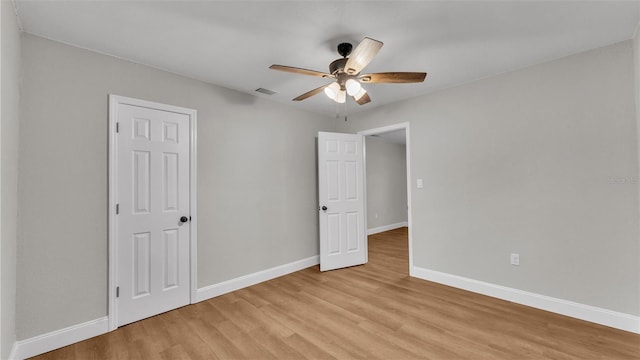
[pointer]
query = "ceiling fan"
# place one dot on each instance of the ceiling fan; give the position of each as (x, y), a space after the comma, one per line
(346, 72)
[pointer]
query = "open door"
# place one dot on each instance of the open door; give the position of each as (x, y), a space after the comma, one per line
(341, 200)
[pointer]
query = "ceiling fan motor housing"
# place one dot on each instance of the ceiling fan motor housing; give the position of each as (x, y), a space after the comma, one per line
(337, 66)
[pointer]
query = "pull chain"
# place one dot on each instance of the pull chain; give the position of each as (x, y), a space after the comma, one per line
(345, 109)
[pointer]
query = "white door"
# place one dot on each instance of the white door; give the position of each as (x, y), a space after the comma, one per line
(341, 199)
(153, 221)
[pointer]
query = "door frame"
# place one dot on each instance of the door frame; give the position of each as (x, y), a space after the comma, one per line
(114, 102)
(380, 130)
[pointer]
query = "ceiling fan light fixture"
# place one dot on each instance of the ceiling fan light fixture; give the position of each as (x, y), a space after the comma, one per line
(341, 97)
(353, 87)
(332, 90)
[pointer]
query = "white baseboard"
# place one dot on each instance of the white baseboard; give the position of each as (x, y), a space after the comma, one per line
(228, 286)
(56, 339)
(384, 228)
(14, 349)
(589, 313)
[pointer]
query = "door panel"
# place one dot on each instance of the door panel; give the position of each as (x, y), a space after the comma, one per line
(153, 266)
(170, 188)
(141, 264)
(341, 191)
(141, 182)
(353, 242)
(171, 259)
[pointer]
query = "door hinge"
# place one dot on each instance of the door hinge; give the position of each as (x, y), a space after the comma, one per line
(117, 291)
(117, 209)
(117, 127)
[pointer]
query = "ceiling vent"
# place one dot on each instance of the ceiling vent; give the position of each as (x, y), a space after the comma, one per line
(266, 91)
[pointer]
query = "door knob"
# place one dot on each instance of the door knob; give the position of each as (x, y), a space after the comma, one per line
(324, 208)
(184, 219)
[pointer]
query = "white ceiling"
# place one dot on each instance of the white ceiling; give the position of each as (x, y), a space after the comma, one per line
(232, 43)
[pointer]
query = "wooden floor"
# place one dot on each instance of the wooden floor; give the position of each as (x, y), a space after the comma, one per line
(373, 311)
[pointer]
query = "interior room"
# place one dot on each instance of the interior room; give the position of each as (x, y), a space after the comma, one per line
(497, 178)
(386, 169)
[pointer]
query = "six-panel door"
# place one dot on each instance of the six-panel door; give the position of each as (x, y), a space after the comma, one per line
(341, 200)
(153, 194)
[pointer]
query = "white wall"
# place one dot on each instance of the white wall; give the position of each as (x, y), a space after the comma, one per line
(386, 183)
(10, 64)
(636, 66)
(541, 161)
(257, 202)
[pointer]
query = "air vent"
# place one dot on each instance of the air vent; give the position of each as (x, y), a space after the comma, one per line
(266, 91)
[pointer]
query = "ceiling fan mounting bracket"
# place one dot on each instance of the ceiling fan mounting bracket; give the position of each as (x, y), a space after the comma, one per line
(344, 49)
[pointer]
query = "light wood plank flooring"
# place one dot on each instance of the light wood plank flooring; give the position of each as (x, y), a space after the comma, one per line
(373, 311)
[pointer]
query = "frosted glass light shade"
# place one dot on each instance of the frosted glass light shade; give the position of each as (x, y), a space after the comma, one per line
(360, 94)
(341, 97)
(332, 90)
(353, 86)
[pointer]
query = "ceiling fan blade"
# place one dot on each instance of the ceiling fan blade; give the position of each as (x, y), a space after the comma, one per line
(393, 77)
(362, 55)
(364, 99)
(296, 70)
(309, 94)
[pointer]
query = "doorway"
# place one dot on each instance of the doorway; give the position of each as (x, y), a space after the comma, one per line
(384, 219)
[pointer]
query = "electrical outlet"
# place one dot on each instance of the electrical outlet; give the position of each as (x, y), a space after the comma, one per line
(515, 259)
(419, 184)
(376, 215)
